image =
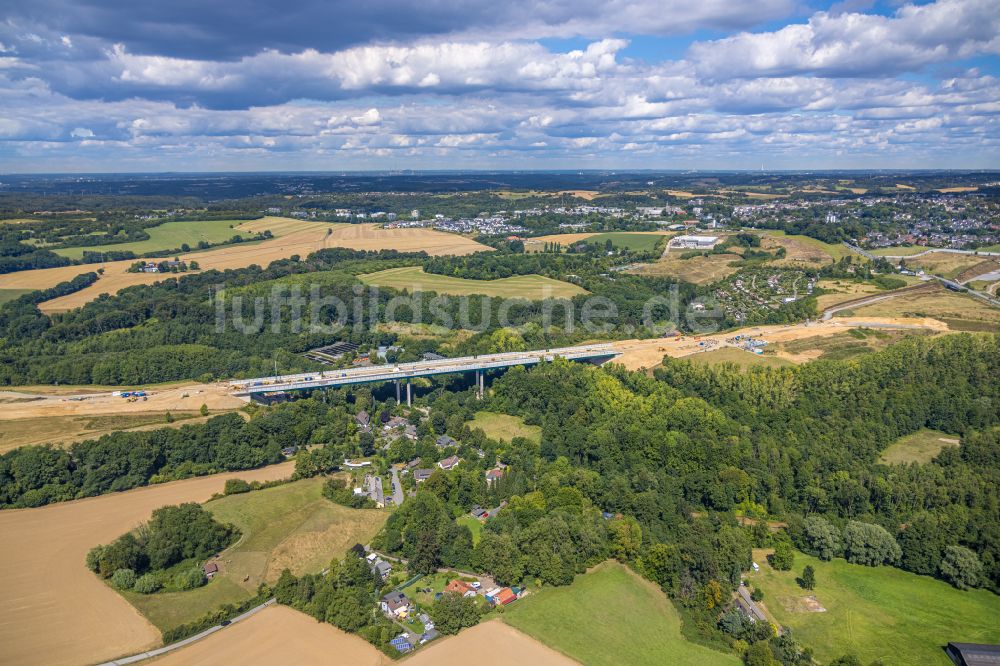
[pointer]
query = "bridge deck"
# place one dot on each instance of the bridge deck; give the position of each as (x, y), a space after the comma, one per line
(402, 371)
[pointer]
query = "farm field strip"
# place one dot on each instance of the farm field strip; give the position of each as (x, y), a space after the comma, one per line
(310, 237)
(413, 278)
(610, 616)
(56, 610)
(169, 236)
(66, 429)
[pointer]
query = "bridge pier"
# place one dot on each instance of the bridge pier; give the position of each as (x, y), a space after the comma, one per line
(479, 384)
(397, 391)
(409, 397)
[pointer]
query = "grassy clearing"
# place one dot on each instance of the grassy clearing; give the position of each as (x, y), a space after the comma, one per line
(739, 357)
(413, 278)
(878, 612)
(291, 526)
(803, 249)
(474, 526)
(960, 312)
(168, 236)
(841, 346)
(15, 433)
(945, 264)
(841, 291)
(609, 616)
(920, 447)
(627, 240)
(505, 427)
(7, 295)
(702, 270)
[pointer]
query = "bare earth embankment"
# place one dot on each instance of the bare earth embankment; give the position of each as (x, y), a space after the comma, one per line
(55, 611)
(638, 354)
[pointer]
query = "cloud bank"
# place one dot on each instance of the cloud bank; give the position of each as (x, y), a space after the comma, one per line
(102, 85)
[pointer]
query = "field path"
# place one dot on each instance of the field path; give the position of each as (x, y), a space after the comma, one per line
(55, 611)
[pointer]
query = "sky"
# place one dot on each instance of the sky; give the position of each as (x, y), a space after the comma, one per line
(331, 85)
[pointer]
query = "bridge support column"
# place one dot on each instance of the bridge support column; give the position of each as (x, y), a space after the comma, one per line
(409, 397)
(397, 391)
(479, 384)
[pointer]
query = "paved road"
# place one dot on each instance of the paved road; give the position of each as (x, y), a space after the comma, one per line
(397, 488)
(406, 371)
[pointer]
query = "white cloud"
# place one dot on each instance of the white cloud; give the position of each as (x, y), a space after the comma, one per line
(857, 44)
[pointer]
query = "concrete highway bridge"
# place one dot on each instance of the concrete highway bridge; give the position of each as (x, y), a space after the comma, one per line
(402, 373)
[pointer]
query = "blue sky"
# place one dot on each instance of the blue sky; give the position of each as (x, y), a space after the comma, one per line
(119, 85)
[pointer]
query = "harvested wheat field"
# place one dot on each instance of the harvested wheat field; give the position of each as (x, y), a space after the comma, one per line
(373, 237)
(638, 354)
(55, 611)
(277, 635)
(513, 648)
(68, 429)
(292, 237)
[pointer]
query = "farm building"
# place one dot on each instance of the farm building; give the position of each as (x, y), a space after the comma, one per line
(395, 604)
(973, 654)
(695, 242)
(210, 569)
(460, 587)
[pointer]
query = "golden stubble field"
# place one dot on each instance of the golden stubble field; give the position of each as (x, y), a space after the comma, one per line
(55, 611)
(292, 237)
(280, 635)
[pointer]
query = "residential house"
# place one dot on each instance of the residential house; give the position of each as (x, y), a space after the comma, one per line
(421, 475)
(395, 422)
(428, 635)
(431, 356)
(410, 432)
(373, 490)
(444, 441)
(210, 569)
(412, 465)
(363, 420)
(460, 587)
(501, 595)
(381, 568)
(479, 513)
(494, 475)
(396, 604)
(449, 462)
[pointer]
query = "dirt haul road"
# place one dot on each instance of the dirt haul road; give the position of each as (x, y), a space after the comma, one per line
(307, 237)
(638, 354)
(174, 399)
(55, 611)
